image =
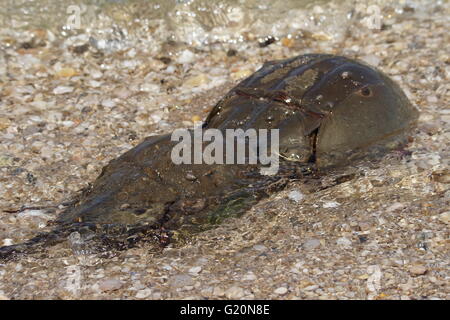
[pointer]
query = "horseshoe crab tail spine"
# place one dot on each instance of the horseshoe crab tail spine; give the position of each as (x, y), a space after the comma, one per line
(87, 238)
(33, 245)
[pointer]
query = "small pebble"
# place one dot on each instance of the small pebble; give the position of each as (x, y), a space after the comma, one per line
(311, 288)
(441, 176)
(122, 93)
(234, 293)
(259, 247)
(195, 270)
(150, 87)
(231, 53)
(321, 36)
(395, 207)
(331, 204)
(4, 123)
(62, 90)
(167, 267)
(7, 242)
(311, 244)
(266, 41)
(3, 296)
(418, 270)
(218, 292)
(196, 118)
(281, 291)
(110, 284)
(186, 56)
(432, 99)
(180, 280)
(374, 279)
(371, 59)
(190, 177)
(34, 213)
(142, 294)
(197, 81)
(344, 242)
(96, 74)
(445, 217)
(108, 103)
(364, 226)
(94, 83)
(296, 196)
(287, 42)
(249, 277)
(6, 161)
(156, 64)
(66, 73)
(241, 74)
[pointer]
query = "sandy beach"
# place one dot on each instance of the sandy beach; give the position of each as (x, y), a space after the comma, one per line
(70, 103)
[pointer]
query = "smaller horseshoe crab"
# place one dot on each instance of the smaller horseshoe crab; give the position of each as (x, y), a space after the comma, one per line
(329, 110)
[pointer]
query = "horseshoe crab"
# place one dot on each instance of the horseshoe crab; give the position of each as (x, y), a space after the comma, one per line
(329, 110)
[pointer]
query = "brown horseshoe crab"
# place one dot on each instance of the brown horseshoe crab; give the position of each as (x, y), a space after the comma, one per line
(328, 109)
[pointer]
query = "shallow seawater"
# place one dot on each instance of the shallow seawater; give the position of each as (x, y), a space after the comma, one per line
(192, 21)
(77, 93)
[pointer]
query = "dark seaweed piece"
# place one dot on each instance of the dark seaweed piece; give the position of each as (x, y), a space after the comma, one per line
(267, 41)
